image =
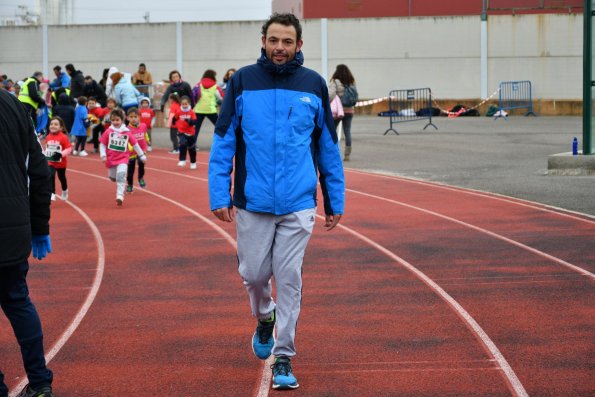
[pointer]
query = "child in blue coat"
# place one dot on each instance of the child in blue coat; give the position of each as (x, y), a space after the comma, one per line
(79, 127)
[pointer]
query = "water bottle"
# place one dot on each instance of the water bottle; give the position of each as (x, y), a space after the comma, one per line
(574, 146)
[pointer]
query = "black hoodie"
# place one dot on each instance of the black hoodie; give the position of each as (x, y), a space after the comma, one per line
(65, 111)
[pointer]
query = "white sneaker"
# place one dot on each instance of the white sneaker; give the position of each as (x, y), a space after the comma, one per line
(53, 198)
(149, 149)
(75, 153)
(83, 153)
(181, 163)
(119, 200)
(64, 195)
(192, 166)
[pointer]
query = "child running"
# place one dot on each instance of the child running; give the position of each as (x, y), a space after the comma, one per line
(113, 149)
(139, 131)
(147, 116)
(57, 148)
(184, 119)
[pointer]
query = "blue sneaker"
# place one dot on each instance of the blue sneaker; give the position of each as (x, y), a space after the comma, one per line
(263, 340)
(283, 378)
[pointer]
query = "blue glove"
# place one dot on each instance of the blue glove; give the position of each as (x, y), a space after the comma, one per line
(41, 246)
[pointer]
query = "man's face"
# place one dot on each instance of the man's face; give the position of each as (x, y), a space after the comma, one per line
(141, 69)
(88, 81)
(57, 72)
(280, 43)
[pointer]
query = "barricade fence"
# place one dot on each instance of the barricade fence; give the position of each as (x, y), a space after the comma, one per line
(516, 95)
(409, 105)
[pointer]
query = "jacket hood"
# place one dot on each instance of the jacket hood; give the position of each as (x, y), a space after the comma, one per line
(63, 99)
(287, 68)
(207, 82)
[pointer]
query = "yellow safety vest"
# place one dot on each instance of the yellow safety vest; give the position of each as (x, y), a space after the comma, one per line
(207, 104)
(24, 93)
(55, 100)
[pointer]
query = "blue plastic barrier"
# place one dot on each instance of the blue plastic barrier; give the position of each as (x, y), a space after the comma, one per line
(516, 95)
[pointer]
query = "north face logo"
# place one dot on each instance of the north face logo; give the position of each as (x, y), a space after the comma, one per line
(305, 99)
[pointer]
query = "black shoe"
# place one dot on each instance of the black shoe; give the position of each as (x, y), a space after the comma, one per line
(45, 391)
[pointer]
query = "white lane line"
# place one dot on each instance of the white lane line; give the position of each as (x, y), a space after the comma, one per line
(511, 379)
(485, 231)
(86, 304)
(494, 196)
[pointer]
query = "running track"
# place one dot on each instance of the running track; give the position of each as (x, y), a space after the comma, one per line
(424, 290)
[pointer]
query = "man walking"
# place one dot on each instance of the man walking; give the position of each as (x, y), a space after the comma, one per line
(24, 225)
(276, 122)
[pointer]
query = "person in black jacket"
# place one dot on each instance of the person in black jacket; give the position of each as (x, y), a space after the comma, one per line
(176, 84)
(92, 89)
(65, 110)
(77, 81)
(25, 191)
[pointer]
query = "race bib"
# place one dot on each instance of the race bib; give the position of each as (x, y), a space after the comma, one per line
(51, 149)
(118, 142)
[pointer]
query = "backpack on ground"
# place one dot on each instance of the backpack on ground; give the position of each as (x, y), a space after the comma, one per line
(350, 96)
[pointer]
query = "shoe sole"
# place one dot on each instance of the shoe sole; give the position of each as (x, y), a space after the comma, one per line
(119, 202)
(286, 387)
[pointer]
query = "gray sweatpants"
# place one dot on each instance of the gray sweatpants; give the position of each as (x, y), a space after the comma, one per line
(274, 245)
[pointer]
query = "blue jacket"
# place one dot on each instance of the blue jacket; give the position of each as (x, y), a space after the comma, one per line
(79, 127)
(126, 94)
(276, 121)
(62, 81)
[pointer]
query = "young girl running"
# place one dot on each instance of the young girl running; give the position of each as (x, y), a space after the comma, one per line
(57, 148)
(185, 119)
(140, 132)
(113, 149)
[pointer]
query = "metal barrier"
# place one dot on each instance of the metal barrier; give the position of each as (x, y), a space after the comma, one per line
(409, 105)
(515, 95)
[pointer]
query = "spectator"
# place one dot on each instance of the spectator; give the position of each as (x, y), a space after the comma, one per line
(24, 227)
(226, 78)
(209, 95)
(340, 81)
(65, 110)
(77, 81)
(124, 92)
(31, 96)
(62, 79)
(103, 81)
(176, 84)
(92, 89)
(142, 77)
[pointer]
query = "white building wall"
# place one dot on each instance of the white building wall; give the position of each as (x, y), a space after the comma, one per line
(384, 53)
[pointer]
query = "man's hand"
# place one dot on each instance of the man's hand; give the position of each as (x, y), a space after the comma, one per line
(41, 246)
(331, 221)
(224, 214)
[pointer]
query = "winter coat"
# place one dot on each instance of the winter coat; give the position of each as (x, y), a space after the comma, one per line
(276, 123)
(65, 111)
(77, 84)
(24, 183)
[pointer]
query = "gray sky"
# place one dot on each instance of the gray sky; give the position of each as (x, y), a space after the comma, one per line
(133, 11)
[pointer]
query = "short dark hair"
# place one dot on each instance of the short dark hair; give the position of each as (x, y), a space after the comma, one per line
(58, 68)
(172, 73)
(132, 110)
(82, 100)
(286, 19)
(70, 67)
(210, 74)
(142, 64)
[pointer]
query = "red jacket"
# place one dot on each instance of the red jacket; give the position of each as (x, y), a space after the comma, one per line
(181, 118)
(146, 116)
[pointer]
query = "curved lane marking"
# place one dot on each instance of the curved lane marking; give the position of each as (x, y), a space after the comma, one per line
(494, 196)
(511, 379)
(86, 304)
(485, 231)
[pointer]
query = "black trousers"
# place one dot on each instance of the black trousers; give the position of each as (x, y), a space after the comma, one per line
(23, 317)
(61, 176)
(131, 168)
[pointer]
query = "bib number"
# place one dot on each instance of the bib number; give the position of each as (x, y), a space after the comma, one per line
(51, 150)
(118, 142)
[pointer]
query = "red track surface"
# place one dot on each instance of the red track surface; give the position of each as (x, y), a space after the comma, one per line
(425, 290)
